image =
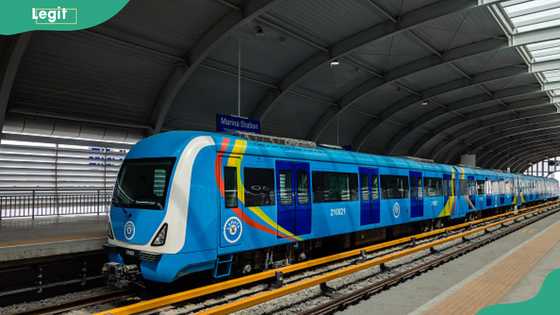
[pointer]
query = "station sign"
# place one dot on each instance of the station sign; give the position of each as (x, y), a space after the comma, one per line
(228, 123)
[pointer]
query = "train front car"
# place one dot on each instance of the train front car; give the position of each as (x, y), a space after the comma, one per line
(159, 217)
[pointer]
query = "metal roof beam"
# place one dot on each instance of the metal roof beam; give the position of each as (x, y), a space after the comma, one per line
(500, 157)
(393, 76)
(474, 119)
(490, 152)
(544, 66)
(521, 162)
(378, 32)
(536, 36)
(465, 133)
(181, 74)
(421, 122)
(497, 74)
(497, 132)
(8, 70)
(114, 123)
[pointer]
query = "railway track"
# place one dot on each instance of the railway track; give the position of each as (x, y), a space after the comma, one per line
(44, 277)
(76, 304)
(234, 295)
(340, 302)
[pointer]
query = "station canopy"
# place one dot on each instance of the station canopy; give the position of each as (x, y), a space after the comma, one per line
(429, 78)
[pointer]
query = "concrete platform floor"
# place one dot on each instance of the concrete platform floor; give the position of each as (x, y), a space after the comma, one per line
(26, 238)
(421, 294)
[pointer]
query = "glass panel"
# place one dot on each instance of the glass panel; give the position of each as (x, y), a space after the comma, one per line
(230, 187)
(432, 186)
(394, 187)
(259, 187)
(331, 187)
(480, 187)
(142, 183)
(364, 187)
(374, 187)
(302, 188)
(285, 189)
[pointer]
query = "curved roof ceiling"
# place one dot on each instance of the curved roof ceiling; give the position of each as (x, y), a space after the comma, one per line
(430, 78)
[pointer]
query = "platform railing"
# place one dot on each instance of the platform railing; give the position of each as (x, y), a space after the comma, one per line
(32, 203)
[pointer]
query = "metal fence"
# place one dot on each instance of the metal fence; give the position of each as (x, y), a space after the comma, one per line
(31, 203)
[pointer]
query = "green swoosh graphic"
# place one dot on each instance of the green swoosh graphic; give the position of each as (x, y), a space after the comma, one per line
(546, 301)
(18, 16)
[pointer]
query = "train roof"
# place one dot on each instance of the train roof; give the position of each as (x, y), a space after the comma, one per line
(172, 143)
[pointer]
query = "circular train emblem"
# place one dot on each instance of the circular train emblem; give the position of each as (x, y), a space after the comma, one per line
(129, 230)
(233, 230)
(396, 210)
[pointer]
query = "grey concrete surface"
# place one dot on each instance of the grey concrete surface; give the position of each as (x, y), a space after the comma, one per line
(418, 293)
(532, 282)
(25, 238)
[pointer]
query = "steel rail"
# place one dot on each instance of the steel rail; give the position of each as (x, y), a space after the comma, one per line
(266, 296)
(179, 297)
(343, 301)
(79, 303)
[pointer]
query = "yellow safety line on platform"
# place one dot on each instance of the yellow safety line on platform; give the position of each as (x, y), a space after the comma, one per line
(268, 274)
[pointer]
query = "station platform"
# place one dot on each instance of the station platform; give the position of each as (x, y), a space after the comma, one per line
(50, 236)
(509, 270)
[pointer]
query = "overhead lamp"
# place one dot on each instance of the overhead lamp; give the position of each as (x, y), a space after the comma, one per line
(334, 63)
(425, 103)
(259, 32)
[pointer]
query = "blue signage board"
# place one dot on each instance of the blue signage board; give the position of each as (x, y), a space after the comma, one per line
(227, 123)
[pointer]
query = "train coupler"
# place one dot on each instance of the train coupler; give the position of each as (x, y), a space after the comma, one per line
(120, 275)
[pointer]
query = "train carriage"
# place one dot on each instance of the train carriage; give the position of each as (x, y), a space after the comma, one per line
(186, 201)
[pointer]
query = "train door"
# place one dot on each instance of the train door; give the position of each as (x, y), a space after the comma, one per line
(488, 193)
(447, 191)
(294, 198)
(231, 205)
(502, 185)
(472, 193)
(416, 195)
(369, 196)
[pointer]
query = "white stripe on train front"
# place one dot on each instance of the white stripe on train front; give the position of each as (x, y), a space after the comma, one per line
(178, 206)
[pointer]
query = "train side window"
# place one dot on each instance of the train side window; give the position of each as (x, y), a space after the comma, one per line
(259, 186)
(432, 186)
(331, 186)
(394, 187)
(285, 187)
(303, 188)
(364, 191)
(463, 187)
(480, 187)
(230, 187)
(374, 187)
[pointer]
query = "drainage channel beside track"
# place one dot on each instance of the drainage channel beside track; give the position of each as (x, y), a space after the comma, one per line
(236, 295)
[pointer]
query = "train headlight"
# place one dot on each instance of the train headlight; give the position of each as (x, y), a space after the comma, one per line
(160, 237)
(110, 231)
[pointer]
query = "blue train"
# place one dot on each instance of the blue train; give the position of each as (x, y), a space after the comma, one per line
(187, 202)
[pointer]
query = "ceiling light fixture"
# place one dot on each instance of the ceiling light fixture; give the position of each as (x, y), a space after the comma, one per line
(259, 31)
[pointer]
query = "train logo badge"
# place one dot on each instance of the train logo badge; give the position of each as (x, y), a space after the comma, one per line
(233, 228)
(396, 210)
(129, 230)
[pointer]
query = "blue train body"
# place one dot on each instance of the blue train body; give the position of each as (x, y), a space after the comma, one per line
(190, 201)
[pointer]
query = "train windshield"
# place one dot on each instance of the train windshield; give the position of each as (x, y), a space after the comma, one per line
(143, 183)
